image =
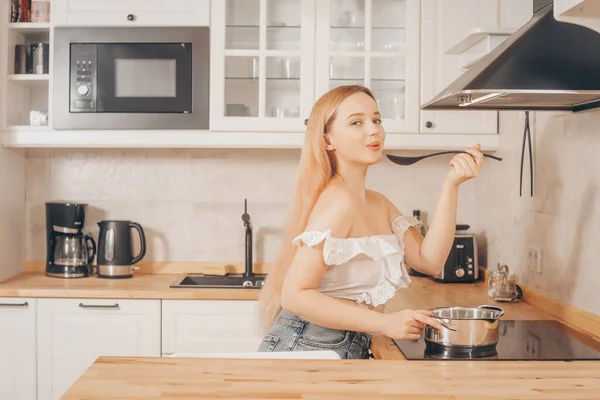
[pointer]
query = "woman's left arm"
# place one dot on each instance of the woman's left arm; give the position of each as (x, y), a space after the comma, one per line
(428, 255)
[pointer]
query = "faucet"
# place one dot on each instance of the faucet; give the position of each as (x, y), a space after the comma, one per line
(248, 225)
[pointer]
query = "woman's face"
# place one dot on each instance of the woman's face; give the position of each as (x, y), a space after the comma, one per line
(357, 135)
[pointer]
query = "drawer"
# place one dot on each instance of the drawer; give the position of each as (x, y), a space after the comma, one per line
(194, 326)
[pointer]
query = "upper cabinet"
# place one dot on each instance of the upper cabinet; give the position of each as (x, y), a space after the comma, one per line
(266, 76)
(262, 64)
(270, 60)
(373, 43)
(580, 12)
(131, 12)
(452, 40)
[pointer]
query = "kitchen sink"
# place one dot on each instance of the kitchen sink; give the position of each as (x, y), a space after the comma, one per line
(229, 281)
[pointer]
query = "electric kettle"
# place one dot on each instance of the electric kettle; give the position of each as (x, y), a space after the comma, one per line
(115, 257)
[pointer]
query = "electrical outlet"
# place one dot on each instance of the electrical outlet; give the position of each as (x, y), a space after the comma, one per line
(534, 259)
(532, 345)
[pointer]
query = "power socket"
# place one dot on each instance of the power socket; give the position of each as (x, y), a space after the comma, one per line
(534, 259)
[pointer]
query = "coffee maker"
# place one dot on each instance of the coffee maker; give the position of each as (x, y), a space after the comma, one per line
(69, 253)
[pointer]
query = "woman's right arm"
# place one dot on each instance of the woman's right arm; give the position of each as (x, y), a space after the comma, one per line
(301, 297)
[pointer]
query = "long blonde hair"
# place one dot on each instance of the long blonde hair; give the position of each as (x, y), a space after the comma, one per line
(317, 167)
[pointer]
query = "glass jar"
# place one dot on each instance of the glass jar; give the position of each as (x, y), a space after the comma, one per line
(40, 11)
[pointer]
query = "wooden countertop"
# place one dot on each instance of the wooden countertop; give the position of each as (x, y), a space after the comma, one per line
(168, 378)
(422, 293)
(141, 286)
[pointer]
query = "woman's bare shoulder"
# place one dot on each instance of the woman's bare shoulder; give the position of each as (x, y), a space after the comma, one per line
(392, 210)
(336, 209)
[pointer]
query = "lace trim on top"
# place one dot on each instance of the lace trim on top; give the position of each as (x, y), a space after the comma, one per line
(337, 251)
(396, 277)
(401, 225)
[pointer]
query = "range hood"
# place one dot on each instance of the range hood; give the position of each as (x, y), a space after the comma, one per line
(545, 65)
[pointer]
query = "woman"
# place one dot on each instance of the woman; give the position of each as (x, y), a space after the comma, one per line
(343, 256)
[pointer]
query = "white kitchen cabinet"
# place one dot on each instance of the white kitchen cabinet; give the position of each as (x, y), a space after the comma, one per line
(262, 65)
(131, 12)
(581, 12)
(271, 60)
(73, 333)
(444, 25)
(373, 43)
(17, 349)
(209, 326)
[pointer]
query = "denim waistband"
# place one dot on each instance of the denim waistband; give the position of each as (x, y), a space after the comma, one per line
(288, 318)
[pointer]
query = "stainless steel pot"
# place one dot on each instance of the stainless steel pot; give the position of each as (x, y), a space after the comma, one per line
(465, 327)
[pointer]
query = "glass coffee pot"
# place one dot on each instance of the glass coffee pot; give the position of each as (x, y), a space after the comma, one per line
(74, 250)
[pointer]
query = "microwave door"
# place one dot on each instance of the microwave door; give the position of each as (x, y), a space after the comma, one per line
(144, 78)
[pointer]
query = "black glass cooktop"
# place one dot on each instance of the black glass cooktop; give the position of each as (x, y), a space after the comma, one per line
(519, 340)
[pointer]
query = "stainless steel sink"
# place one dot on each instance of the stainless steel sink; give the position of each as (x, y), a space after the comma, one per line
(229, 281)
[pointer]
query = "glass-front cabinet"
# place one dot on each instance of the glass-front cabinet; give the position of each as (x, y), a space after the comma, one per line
(374, 43)
(262, 64)
(271, 60)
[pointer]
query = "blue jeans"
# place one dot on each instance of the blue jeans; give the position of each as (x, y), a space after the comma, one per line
(292, 333)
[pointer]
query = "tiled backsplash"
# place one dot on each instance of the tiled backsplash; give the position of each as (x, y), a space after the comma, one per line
(563, 216)
(190, 202)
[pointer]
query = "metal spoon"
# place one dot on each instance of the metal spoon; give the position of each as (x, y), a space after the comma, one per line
(411, 160)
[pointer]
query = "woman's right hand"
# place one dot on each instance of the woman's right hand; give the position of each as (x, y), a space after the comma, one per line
(407, 324)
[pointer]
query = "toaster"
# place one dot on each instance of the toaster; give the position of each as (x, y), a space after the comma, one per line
(461, 264)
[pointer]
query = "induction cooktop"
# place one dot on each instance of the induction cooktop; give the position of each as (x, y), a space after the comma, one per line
(519, 340)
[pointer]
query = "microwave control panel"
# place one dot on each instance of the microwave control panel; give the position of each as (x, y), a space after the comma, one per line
(83, 77)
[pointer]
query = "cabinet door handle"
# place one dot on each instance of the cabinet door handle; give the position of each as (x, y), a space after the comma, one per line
(114, 306)
(26, 304)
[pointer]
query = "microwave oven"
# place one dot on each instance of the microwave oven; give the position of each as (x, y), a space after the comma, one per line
(131, 78)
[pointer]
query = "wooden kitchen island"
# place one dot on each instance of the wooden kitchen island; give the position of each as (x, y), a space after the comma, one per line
(389, 377)
(167, 378)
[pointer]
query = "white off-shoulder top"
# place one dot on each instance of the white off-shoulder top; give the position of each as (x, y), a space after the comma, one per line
(366, 269)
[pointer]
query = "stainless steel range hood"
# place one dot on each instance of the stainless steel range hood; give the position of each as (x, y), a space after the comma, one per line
(545, 65)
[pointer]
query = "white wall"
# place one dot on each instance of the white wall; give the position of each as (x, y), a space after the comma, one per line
(563, 216)
(12, 212)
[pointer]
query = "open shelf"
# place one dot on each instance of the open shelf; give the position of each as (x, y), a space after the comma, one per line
(32, 80)
(29, 27)
(268, 26)
(27, 128)
(272, 83)
(476, 35)
(375, 28)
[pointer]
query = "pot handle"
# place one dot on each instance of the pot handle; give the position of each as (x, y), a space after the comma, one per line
(495, 308)
(446, 324)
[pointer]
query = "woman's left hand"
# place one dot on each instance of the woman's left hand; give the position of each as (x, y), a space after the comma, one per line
(465, 166)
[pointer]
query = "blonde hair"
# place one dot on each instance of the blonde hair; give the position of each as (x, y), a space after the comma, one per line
(317, 167)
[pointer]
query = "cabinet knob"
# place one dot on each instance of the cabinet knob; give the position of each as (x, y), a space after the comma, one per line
(428, 124)
(130, 17)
